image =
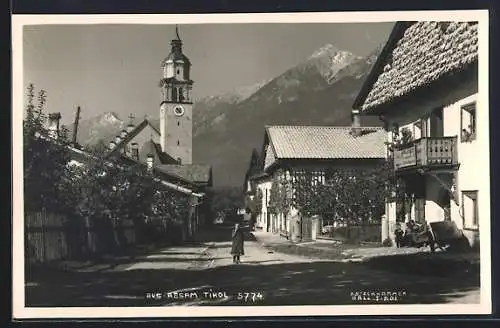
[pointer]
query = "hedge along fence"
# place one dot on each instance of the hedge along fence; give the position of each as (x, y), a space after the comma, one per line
(355, 234)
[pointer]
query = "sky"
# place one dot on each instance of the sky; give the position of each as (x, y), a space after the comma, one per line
(116, 68)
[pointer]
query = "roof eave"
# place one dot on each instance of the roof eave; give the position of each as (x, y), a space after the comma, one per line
(448, 82)
(378, 66)
(127, 139)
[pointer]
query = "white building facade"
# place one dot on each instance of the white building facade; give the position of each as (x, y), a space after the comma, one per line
(433, 96)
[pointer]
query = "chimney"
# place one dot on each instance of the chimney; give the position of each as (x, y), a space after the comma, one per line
(53, 127)
(130, 127)
(149, 163)
(356, 123)
(112, 144)
(123, 134)
(75, 125)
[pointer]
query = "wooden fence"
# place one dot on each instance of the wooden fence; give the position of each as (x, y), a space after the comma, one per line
(52, 237)
(45, 238)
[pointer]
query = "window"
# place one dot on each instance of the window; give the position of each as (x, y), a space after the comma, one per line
(178, 123)
(174, 94)
(178, 71)
(470, 209)
(436, 125)
(468, 122)
(181, 95)
(135, 153)
(178, 143)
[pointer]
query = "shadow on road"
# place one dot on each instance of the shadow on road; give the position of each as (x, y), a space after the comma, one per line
(424, 264)
(317, 283)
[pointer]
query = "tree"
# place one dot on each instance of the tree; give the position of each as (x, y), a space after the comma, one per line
(98, 148)
(45, 159)
(256, 203)
(280, 198)
(355, 194)
(359, 193)
(312, 198)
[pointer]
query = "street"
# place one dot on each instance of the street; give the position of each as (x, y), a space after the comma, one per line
(202, 273)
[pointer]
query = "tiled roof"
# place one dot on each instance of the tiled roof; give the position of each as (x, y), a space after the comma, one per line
(165, 175)
(198, 173)
(159, 156)
(321, 142)
(417, 55)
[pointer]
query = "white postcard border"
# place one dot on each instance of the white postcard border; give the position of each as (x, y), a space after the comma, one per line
(22, 312)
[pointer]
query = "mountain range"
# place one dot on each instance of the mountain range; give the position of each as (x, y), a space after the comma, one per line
(226, 127)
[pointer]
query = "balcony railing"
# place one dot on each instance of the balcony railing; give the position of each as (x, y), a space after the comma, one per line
(427, 153)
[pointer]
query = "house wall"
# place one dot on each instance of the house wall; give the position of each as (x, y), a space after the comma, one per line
(262, 218)
(472, 162)
(319, 167)
(144, 136)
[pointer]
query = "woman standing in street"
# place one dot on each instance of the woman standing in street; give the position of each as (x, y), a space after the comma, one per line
(237, 244)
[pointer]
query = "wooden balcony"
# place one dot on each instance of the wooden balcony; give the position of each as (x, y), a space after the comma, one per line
(427, 153)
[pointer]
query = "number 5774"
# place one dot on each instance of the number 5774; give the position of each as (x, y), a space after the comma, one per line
(250, 296)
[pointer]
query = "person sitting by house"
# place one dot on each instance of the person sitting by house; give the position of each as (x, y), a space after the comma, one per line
(409, 234)
(419, 235)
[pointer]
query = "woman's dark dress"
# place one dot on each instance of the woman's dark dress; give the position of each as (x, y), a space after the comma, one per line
(237, 244)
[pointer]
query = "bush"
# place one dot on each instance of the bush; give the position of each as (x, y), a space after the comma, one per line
(387, 242)
(372, 239)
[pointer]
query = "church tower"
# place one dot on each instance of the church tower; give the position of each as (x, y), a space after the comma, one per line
(176, 108)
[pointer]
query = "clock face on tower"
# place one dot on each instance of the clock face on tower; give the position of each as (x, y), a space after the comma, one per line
(178, 110)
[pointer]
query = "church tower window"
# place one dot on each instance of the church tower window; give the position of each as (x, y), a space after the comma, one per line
(181, 95)
(174, 94)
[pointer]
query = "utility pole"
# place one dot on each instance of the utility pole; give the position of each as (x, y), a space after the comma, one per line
(75, 126)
